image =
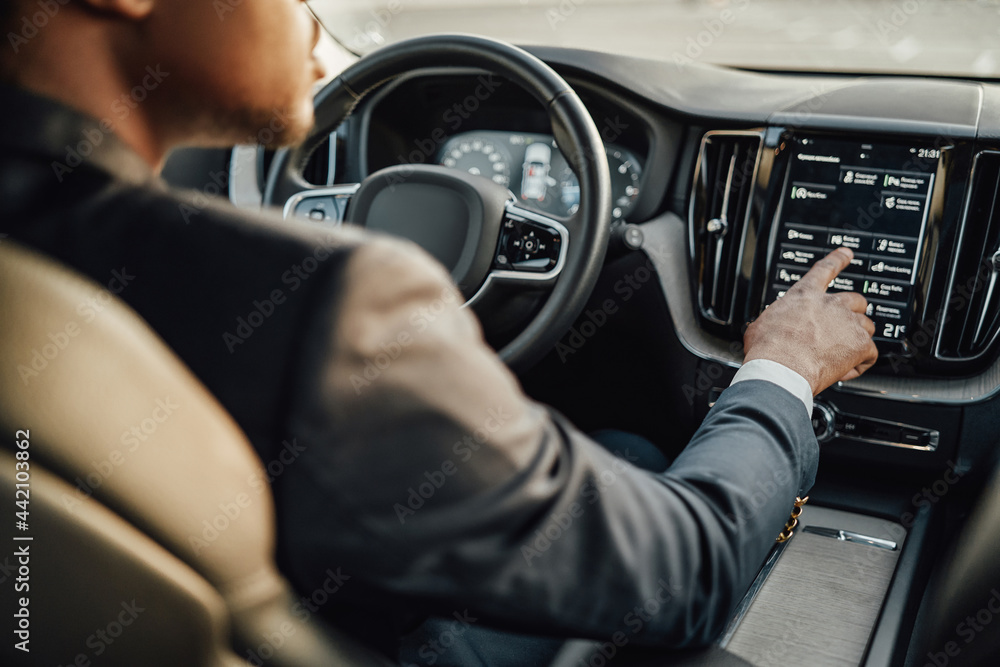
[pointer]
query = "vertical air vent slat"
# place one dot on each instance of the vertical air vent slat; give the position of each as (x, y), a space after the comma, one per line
(973, 301)
(321, 166)
(720, 205)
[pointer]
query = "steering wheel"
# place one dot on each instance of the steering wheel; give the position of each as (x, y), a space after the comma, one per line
(471, 224)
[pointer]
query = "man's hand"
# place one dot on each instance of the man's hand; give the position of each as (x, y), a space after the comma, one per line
(823, 337)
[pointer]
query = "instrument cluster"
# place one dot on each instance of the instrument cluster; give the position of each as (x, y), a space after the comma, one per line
(538, 174)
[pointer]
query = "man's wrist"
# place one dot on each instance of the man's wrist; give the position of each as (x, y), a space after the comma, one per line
(779, 374)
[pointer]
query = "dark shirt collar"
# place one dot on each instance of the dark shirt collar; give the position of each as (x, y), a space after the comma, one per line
(66, 138)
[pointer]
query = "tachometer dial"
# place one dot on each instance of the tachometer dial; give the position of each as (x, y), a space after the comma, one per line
(567, 191)
(625, 176)
(478, 156)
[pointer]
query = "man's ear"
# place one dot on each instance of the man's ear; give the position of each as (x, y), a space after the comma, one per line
(133, 9)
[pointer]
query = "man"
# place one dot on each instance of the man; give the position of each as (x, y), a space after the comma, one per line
(96, 98)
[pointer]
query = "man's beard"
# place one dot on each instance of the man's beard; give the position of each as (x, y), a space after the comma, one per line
(274, 128)
(271, 128)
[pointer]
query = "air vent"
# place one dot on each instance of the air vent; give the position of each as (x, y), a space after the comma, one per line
(973, 302)
(720, 205)
(321, 165)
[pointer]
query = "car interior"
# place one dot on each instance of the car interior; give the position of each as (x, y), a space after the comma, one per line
(615, 223)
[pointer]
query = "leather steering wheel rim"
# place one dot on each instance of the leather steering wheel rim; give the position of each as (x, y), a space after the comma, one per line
(574, 131)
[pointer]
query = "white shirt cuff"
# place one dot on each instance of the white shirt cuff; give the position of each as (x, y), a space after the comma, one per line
(779, 374)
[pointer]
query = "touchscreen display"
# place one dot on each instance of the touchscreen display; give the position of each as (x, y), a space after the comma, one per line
(870, 197)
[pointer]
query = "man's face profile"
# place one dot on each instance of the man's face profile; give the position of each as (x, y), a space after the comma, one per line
(247, 61)
(230, 71)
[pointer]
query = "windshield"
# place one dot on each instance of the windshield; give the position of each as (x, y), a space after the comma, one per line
(947, 37)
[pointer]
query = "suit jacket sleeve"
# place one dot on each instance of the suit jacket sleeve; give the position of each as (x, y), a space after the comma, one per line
(440, 487)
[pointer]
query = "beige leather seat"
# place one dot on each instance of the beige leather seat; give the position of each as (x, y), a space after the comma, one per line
(152, 540)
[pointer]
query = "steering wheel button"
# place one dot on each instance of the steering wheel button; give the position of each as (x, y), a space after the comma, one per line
(528, 246)
(319, 208)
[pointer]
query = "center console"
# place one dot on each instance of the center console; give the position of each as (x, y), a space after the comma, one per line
(921, 214)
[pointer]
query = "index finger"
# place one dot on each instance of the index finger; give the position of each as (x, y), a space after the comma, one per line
(826, 269)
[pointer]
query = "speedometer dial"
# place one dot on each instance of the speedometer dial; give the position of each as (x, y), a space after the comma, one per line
(478, 156)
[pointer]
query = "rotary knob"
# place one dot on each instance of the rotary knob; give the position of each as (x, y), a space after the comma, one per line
(717, 226)
(824, 422)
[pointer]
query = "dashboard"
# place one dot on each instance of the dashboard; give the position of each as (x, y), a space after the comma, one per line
(764, 186)
(736, 182)
(731, 184)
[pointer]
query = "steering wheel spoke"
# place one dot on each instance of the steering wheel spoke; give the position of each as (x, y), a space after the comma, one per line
(531, 251)
(322, 204)
(531, 246)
